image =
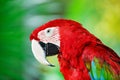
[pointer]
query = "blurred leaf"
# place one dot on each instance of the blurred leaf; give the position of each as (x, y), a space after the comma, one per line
(11, 32)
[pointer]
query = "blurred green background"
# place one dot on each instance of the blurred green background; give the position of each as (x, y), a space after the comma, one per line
(18, 18)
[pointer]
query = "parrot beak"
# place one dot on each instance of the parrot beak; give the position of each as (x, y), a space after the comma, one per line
(41, 50)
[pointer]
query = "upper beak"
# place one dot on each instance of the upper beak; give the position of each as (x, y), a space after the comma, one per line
(41, 50)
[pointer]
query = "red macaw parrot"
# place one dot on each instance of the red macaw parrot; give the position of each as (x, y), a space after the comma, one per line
(81, 55)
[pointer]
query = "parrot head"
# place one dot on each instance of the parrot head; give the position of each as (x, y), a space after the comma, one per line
(46, 40)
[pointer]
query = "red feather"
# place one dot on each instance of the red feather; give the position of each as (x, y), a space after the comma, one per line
(77, 46)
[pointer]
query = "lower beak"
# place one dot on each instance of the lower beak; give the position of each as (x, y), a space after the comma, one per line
(42, 50)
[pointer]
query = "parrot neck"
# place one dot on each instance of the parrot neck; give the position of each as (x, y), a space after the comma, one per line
(72, 72)
(70, 57)
(73, 43)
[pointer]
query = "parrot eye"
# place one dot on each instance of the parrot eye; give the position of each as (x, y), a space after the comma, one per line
(49, 31)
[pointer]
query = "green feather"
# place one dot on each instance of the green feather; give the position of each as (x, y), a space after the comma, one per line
(100, 70)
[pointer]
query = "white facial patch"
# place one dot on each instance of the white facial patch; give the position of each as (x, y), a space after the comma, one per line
(50, 35)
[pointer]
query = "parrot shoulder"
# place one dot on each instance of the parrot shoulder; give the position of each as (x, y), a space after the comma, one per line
(101, 62)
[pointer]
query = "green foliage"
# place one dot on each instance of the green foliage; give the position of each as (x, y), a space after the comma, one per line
(16, 59)
(11, 31)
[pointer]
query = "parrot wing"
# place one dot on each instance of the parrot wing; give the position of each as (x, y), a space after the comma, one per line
(101, 62)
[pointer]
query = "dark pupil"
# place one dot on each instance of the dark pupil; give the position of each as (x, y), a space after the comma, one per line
(48, 31)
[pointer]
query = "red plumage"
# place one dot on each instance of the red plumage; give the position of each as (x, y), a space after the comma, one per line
(78, 47)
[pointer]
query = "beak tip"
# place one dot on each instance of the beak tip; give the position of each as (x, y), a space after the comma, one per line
(51, 65)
